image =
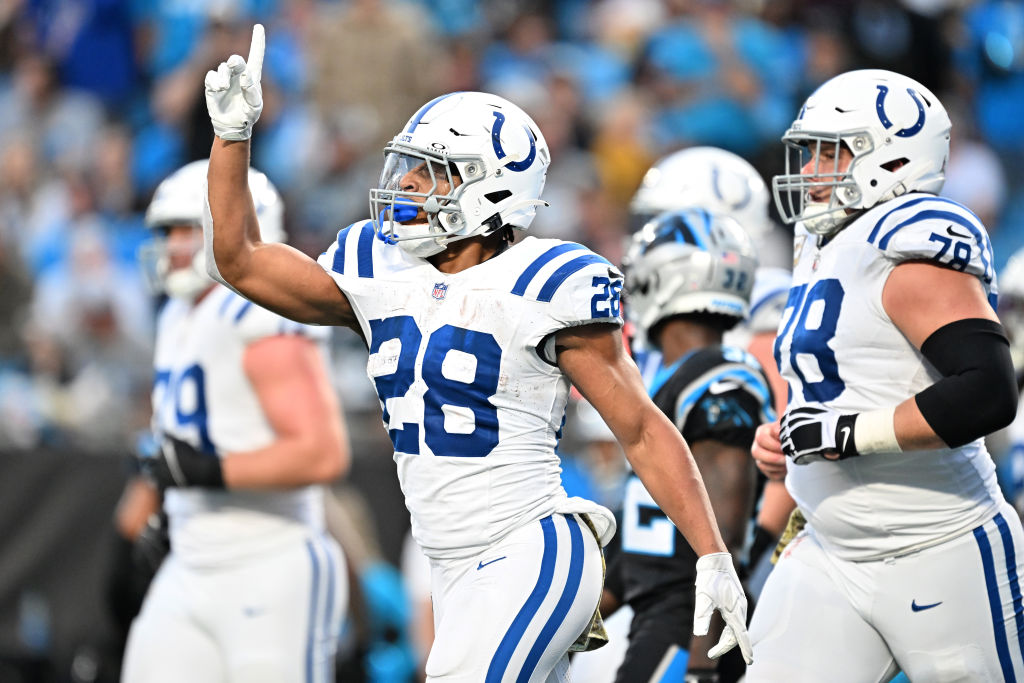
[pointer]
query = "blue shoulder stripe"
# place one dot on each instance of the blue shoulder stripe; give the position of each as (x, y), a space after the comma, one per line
(907, 205)
(339, 254)
(762, 300)
(243, 310)
(983, 242)
(365, 251)
(229, 296)
(531, 271)
(547, 292)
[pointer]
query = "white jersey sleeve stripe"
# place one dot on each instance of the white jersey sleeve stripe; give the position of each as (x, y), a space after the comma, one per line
(338, 265)
(906, 205)
(519, 289)
(364, 250)
(566, 270)
(229, 296)
(242, 310)
(986, 248)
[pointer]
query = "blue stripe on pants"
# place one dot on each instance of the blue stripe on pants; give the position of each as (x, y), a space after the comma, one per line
(502, 656)
(313, 600)
(572, 588)
(989, 566)
(329, 615)
(1011, 571)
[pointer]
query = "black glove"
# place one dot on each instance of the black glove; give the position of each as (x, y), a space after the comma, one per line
(178, 463)
(152, 544)
(810, 434)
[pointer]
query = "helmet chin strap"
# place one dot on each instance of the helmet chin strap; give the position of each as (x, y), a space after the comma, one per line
(526, 203)
(823, 221)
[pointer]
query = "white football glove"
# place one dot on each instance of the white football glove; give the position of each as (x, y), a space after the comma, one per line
(718, 587)
(234, 95)
(809, 434)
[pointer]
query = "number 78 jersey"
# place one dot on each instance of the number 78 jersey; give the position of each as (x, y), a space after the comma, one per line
(838, 348)
(465, 371)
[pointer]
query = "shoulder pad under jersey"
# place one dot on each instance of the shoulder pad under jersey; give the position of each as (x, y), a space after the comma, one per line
(929, 228)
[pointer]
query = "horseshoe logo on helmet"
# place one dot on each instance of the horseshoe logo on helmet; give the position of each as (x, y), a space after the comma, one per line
(499, 121)
(716, 187)
(887, 124)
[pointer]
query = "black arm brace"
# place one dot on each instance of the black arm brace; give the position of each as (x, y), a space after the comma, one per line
(977, 394)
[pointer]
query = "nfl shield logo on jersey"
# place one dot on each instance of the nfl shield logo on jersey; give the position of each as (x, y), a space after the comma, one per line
(440, 289)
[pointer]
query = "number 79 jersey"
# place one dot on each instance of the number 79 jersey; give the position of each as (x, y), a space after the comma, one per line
(838, 348)
(465, 371)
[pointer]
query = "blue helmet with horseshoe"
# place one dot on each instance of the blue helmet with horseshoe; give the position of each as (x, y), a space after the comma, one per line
(480, 164)
(896, 130)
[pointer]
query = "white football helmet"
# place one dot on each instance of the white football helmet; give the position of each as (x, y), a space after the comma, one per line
(178, 200)
(1011, 306)
(708, 177)
(896, 129)
(688, 261)
(486, 161)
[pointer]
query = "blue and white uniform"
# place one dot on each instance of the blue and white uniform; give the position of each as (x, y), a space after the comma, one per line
(202, 611)
(888, 535)
(473, 400)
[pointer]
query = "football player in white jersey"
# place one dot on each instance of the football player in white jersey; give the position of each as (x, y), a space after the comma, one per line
(474, 340)
(897, 367)
(249, 429)
(689, 276)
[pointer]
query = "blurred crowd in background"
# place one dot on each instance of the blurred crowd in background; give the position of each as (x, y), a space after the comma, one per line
(101, 99)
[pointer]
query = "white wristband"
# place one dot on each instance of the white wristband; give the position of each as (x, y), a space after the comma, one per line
(875, 432)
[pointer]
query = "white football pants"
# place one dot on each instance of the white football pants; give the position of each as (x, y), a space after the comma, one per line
(952, 612)
(267, 619)
(511, 613)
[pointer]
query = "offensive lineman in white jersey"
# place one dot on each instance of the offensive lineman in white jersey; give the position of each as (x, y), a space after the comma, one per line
(897, 367)
(473, 344)
(253, 589)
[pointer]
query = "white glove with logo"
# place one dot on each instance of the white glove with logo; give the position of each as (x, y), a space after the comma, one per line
(718, 587)
(809, 434)
(234, 96)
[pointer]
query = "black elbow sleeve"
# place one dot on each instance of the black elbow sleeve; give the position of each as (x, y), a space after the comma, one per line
(977, 394)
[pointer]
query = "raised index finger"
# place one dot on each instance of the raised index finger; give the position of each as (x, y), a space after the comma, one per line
(254, 64)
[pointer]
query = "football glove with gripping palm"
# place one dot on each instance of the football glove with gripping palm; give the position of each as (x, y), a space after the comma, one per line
(234, 95)
(809, 434)
(718, 587)
(177, 463)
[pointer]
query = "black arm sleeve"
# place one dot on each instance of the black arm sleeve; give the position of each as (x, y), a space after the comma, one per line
(977, 394)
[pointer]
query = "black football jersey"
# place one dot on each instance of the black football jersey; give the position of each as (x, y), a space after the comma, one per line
(718, 393)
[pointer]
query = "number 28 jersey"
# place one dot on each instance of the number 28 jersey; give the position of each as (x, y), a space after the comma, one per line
(838, 348)
(464, 368)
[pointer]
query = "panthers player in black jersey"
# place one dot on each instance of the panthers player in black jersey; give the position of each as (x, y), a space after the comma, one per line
(688, 278)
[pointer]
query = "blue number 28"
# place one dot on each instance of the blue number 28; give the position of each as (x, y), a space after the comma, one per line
(813, 340)
(441, 391)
